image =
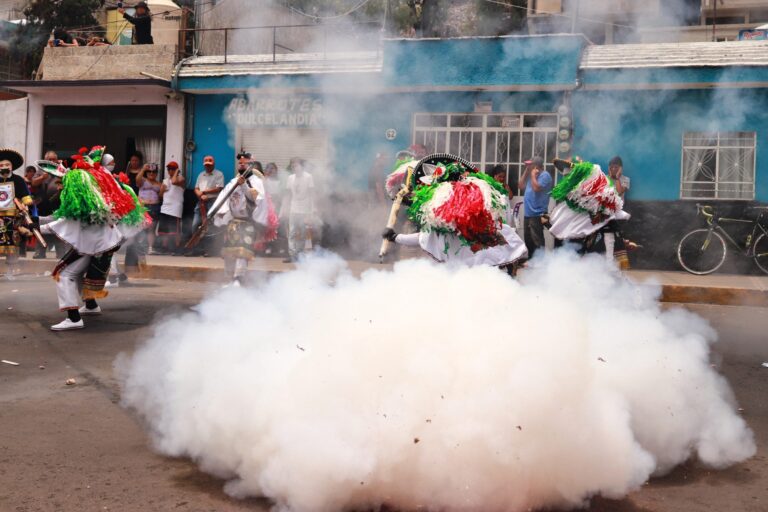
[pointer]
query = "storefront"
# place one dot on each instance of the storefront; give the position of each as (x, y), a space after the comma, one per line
(125, 115)
(449, 95)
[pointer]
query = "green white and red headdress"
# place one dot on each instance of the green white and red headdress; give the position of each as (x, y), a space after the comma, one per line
(586, 189)
(91, 194)
(396, 178)
(460, 202)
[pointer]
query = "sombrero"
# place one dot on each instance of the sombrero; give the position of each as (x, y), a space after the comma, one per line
(52, 168)
(13, 156)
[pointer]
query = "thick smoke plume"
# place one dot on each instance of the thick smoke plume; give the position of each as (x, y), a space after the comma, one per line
(436, 387)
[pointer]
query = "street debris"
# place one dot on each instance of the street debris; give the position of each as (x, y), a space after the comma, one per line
(601, 359)
(12, 363)
(300, 348)
(70, 382)
(416, 440)
(41, 367)
(765, 365)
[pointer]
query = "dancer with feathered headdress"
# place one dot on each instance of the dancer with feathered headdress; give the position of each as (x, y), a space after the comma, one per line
(460, 214)
(588, 203)
(96, 215)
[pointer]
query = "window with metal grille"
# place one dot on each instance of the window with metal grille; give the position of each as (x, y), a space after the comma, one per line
(489, 139)
(718, 165)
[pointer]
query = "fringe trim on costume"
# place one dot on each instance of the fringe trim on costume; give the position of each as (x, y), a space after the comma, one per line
(81, 199)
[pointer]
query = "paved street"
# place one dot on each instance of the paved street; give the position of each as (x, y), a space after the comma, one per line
(73, 448)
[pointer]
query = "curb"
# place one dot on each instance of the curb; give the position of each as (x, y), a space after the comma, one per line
(682, 294)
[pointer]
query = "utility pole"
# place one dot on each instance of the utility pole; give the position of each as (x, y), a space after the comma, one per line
(714, 23)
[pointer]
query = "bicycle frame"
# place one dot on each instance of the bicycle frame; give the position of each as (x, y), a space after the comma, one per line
(713, 222)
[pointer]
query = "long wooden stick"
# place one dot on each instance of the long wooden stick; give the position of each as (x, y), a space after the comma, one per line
(392, 220)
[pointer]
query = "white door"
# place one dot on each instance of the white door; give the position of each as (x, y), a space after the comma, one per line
(279, 145)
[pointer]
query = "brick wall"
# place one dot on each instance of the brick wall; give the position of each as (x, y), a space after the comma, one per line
(107, 62)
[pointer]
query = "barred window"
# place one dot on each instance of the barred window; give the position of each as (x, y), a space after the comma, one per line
(489, 139)
(718, 165)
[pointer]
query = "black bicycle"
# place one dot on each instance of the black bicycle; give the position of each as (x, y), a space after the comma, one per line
(703, 250)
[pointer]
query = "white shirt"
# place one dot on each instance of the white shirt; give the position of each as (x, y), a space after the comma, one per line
(207, 181)
(173, 198)
(301, 189)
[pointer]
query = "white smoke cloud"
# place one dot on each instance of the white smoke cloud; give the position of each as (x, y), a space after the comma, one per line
(435, 387)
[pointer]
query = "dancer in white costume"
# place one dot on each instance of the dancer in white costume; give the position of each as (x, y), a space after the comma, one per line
(460, 214)
(96, 215)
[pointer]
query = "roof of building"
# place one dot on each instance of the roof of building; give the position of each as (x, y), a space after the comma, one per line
(525, 63)
(281, 64)
(675, 55)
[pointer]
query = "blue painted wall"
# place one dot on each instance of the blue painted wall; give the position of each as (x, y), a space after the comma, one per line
(646, 128)
(356, 124)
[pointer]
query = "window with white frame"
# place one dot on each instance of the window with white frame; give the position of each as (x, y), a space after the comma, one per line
(489, 139)
(718, 165)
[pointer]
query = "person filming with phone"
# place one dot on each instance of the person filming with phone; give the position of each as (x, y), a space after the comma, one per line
(142, 22)
(61, 37)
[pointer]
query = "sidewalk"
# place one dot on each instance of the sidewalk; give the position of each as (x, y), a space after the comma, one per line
(721, 289)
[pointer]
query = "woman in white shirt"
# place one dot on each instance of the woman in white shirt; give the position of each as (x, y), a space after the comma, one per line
(172, 194)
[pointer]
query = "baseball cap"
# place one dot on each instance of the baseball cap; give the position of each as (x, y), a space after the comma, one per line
(243, 154)
(208, 160)
(172, 165)
(537, 161)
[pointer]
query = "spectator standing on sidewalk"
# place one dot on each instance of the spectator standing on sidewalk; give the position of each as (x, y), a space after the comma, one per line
(43, 184)
(134, 167)
(275, 187)
(149, 195)
(209, 183)
(142, 23)
(538, 184)
(172, 195)
(300, 198)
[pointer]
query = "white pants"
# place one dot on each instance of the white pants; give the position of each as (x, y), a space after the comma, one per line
(298, 231)
(68, 287)
(235, 267)
(610, 242)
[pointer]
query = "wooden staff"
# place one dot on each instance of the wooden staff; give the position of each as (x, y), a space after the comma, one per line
(404, 191)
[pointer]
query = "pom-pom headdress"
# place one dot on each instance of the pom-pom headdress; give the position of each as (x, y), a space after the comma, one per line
(396, 178)
(462, 203)
(587, 189)
(92, 195)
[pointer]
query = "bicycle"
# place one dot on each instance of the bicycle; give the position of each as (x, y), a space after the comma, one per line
(703, 250)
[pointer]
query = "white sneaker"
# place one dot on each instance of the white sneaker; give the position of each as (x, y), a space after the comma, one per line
(110, 284)
(68, 324)
(233, 284)
(85, 311)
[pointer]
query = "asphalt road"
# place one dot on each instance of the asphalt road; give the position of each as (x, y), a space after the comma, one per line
(73, 448)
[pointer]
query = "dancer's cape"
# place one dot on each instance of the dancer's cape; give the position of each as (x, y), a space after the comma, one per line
(587, 200)
(97, 212)
(263, 210)
(460, 214)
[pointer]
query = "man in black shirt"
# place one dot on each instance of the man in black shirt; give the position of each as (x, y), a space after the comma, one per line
(142, 22)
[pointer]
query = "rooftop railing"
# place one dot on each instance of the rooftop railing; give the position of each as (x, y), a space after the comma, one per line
(277, 40)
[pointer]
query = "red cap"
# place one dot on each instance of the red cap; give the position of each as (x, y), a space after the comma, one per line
(171, 165)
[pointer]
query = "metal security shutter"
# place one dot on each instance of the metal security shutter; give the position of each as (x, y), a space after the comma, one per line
(279, 145)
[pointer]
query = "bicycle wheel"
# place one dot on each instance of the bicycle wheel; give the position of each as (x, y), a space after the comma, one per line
(761, 252)
(701, 251)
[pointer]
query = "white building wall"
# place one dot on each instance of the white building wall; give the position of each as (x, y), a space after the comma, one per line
(105, 96)
(13, 129)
